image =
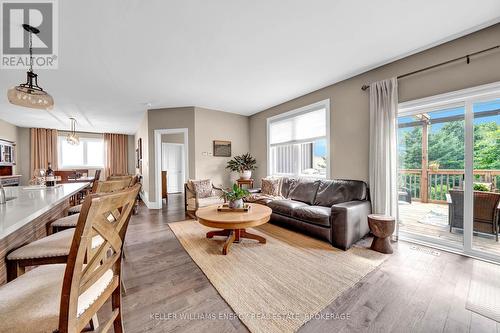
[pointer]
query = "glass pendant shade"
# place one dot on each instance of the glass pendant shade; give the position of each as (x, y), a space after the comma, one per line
(72, 137)
(30, 94)
(30, 97)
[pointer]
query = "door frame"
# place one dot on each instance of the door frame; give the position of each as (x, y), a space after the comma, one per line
(183, 161)
(158, 204)
(465, 98)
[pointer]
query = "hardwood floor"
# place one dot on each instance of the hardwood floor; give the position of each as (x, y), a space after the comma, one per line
(413, 291)
(161, 279)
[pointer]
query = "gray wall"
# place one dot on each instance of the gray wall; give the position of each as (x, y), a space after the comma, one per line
(8, 131)
(172, 138)
(142, 133)
(23, 154)
(203, 126)
(216, 125)
(169, 118)
(349, 105)
(131, 154)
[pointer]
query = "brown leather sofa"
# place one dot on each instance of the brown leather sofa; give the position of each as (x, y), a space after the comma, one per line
(333, 210)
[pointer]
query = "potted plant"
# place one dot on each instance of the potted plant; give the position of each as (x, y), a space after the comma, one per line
(234, 196)
(434, 166)
(481, 187)
(244, 164)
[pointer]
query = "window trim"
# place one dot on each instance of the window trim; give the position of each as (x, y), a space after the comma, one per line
(83, 141)
(323, 104)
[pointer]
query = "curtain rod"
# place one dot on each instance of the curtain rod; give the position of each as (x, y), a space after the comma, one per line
(467, 57)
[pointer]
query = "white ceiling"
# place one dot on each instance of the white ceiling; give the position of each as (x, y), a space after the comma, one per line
(231, 55)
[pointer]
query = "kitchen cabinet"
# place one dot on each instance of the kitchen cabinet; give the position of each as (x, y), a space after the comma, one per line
(7, 153)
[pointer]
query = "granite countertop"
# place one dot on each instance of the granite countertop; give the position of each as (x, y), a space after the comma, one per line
(30, 204)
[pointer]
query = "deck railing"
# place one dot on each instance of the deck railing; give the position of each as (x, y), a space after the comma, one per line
(440, 181)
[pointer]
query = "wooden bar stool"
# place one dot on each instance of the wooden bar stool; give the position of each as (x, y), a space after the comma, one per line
(54, 248)
(65, 298)
(98, 187)
(64, 223)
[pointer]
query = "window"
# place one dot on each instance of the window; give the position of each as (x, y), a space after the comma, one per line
(298, 142)
(88, 154)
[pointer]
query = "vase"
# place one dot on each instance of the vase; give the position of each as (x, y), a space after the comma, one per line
(246, 174)
(236, 203)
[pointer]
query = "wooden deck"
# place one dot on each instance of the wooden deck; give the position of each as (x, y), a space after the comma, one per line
(431, 220)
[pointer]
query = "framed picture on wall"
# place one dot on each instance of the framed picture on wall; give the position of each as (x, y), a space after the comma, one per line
(222, 148)
(139, 148)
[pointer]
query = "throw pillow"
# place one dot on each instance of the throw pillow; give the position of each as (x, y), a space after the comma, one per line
(202, 188)
(271, 186)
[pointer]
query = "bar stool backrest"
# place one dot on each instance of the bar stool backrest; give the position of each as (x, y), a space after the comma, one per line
(89, 269)
(111, 186)
(119, 177)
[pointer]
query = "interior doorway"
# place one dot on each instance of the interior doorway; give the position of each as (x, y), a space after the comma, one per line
(172, 155)
(171, 163)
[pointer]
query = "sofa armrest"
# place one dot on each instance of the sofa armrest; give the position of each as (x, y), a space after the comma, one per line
(349, 223)
(254, 190)
(188, 192)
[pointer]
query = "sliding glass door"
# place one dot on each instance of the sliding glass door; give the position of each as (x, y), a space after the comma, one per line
(431, 168)
(449, 171)
(486, 184)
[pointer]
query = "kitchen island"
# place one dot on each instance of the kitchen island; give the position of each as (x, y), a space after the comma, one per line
(27, 214)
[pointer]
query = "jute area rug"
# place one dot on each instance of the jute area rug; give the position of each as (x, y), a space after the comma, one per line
(280, 285)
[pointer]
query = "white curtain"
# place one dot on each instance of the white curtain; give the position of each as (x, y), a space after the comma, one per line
(383, 153)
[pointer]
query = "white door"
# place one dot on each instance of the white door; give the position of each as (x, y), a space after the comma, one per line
(173, 163)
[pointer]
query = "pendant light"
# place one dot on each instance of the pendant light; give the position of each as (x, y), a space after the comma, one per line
(72, 137)
(29, 94)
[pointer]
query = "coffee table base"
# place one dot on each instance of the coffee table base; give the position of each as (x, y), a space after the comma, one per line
(234, 236)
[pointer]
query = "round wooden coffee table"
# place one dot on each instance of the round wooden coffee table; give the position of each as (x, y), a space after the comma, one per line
(234, 224)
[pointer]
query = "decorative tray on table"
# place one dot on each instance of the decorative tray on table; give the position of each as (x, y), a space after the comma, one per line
(225, 208)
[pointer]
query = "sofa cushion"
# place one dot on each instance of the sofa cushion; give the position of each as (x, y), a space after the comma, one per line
(203, 202)
(202, 188)
(285, 186)
(304, 190)
(271, 186)
(313, 214)
(285, 207)
(260, 198)
(331, 192)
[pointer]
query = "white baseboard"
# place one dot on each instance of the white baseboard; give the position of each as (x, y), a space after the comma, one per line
(149, 204)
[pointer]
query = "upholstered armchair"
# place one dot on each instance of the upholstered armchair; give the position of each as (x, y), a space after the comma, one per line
(201, 193)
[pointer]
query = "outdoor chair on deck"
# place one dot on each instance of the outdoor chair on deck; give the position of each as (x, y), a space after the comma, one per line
(486, 211)
(404, 195)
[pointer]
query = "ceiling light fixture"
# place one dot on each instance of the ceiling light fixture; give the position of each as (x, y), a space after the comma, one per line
(72, 137)
(29, 94)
